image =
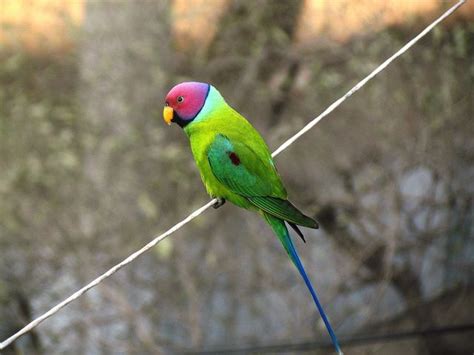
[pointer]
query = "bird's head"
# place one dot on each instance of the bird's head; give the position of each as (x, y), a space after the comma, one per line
(184, 102)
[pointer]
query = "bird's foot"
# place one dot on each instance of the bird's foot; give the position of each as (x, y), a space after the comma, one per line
(220, 201)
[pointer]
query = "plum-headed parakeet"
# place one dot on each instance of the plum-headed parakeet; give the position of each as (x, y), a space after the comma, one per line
(236, 165)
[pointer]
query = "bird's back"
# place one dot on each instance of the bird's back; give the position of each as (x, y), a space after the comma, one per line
(225, 121)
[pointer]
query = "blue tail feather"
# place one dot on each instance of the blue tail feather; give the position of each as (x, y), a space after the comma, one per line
(281, 231)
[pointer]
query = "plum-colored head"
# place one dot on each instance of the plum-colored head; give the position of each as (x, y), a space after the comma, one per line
(184, 102)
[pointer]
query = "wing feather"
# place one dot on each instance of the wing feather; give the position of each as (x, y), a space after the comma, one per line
(243, 171)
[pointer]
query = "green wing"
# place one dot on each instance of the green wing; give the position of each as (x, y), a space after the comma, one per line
(285, 210)
(242, 170)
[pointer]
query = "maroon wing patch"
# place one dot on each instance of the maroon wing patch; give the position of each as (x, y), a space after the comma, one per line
(234, 158)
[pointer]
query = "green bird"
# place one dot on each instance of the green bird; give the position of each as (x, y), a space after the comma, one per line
(236, 165)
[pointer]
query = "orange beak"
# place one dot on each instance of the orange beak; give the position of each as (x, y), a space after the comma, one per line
(168, 114)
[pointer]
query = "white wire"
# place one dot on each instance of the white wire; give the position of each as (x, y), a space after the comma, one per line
(101, 278)
(200, 210)
(364, 81)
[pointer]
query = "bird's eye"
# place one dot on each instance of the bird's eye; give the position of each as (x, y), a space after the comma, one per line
(180, 99)
(167, 103)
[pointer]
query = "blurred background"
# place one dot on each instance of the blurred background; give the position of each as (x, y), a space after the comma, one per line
(89, 173)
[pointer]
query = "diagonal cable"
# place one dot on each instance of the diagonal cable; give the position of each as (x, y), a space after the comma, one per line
(200, 210)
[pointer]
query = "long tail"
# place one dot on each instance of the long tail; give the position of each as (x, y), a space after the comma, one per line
(281, 231)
